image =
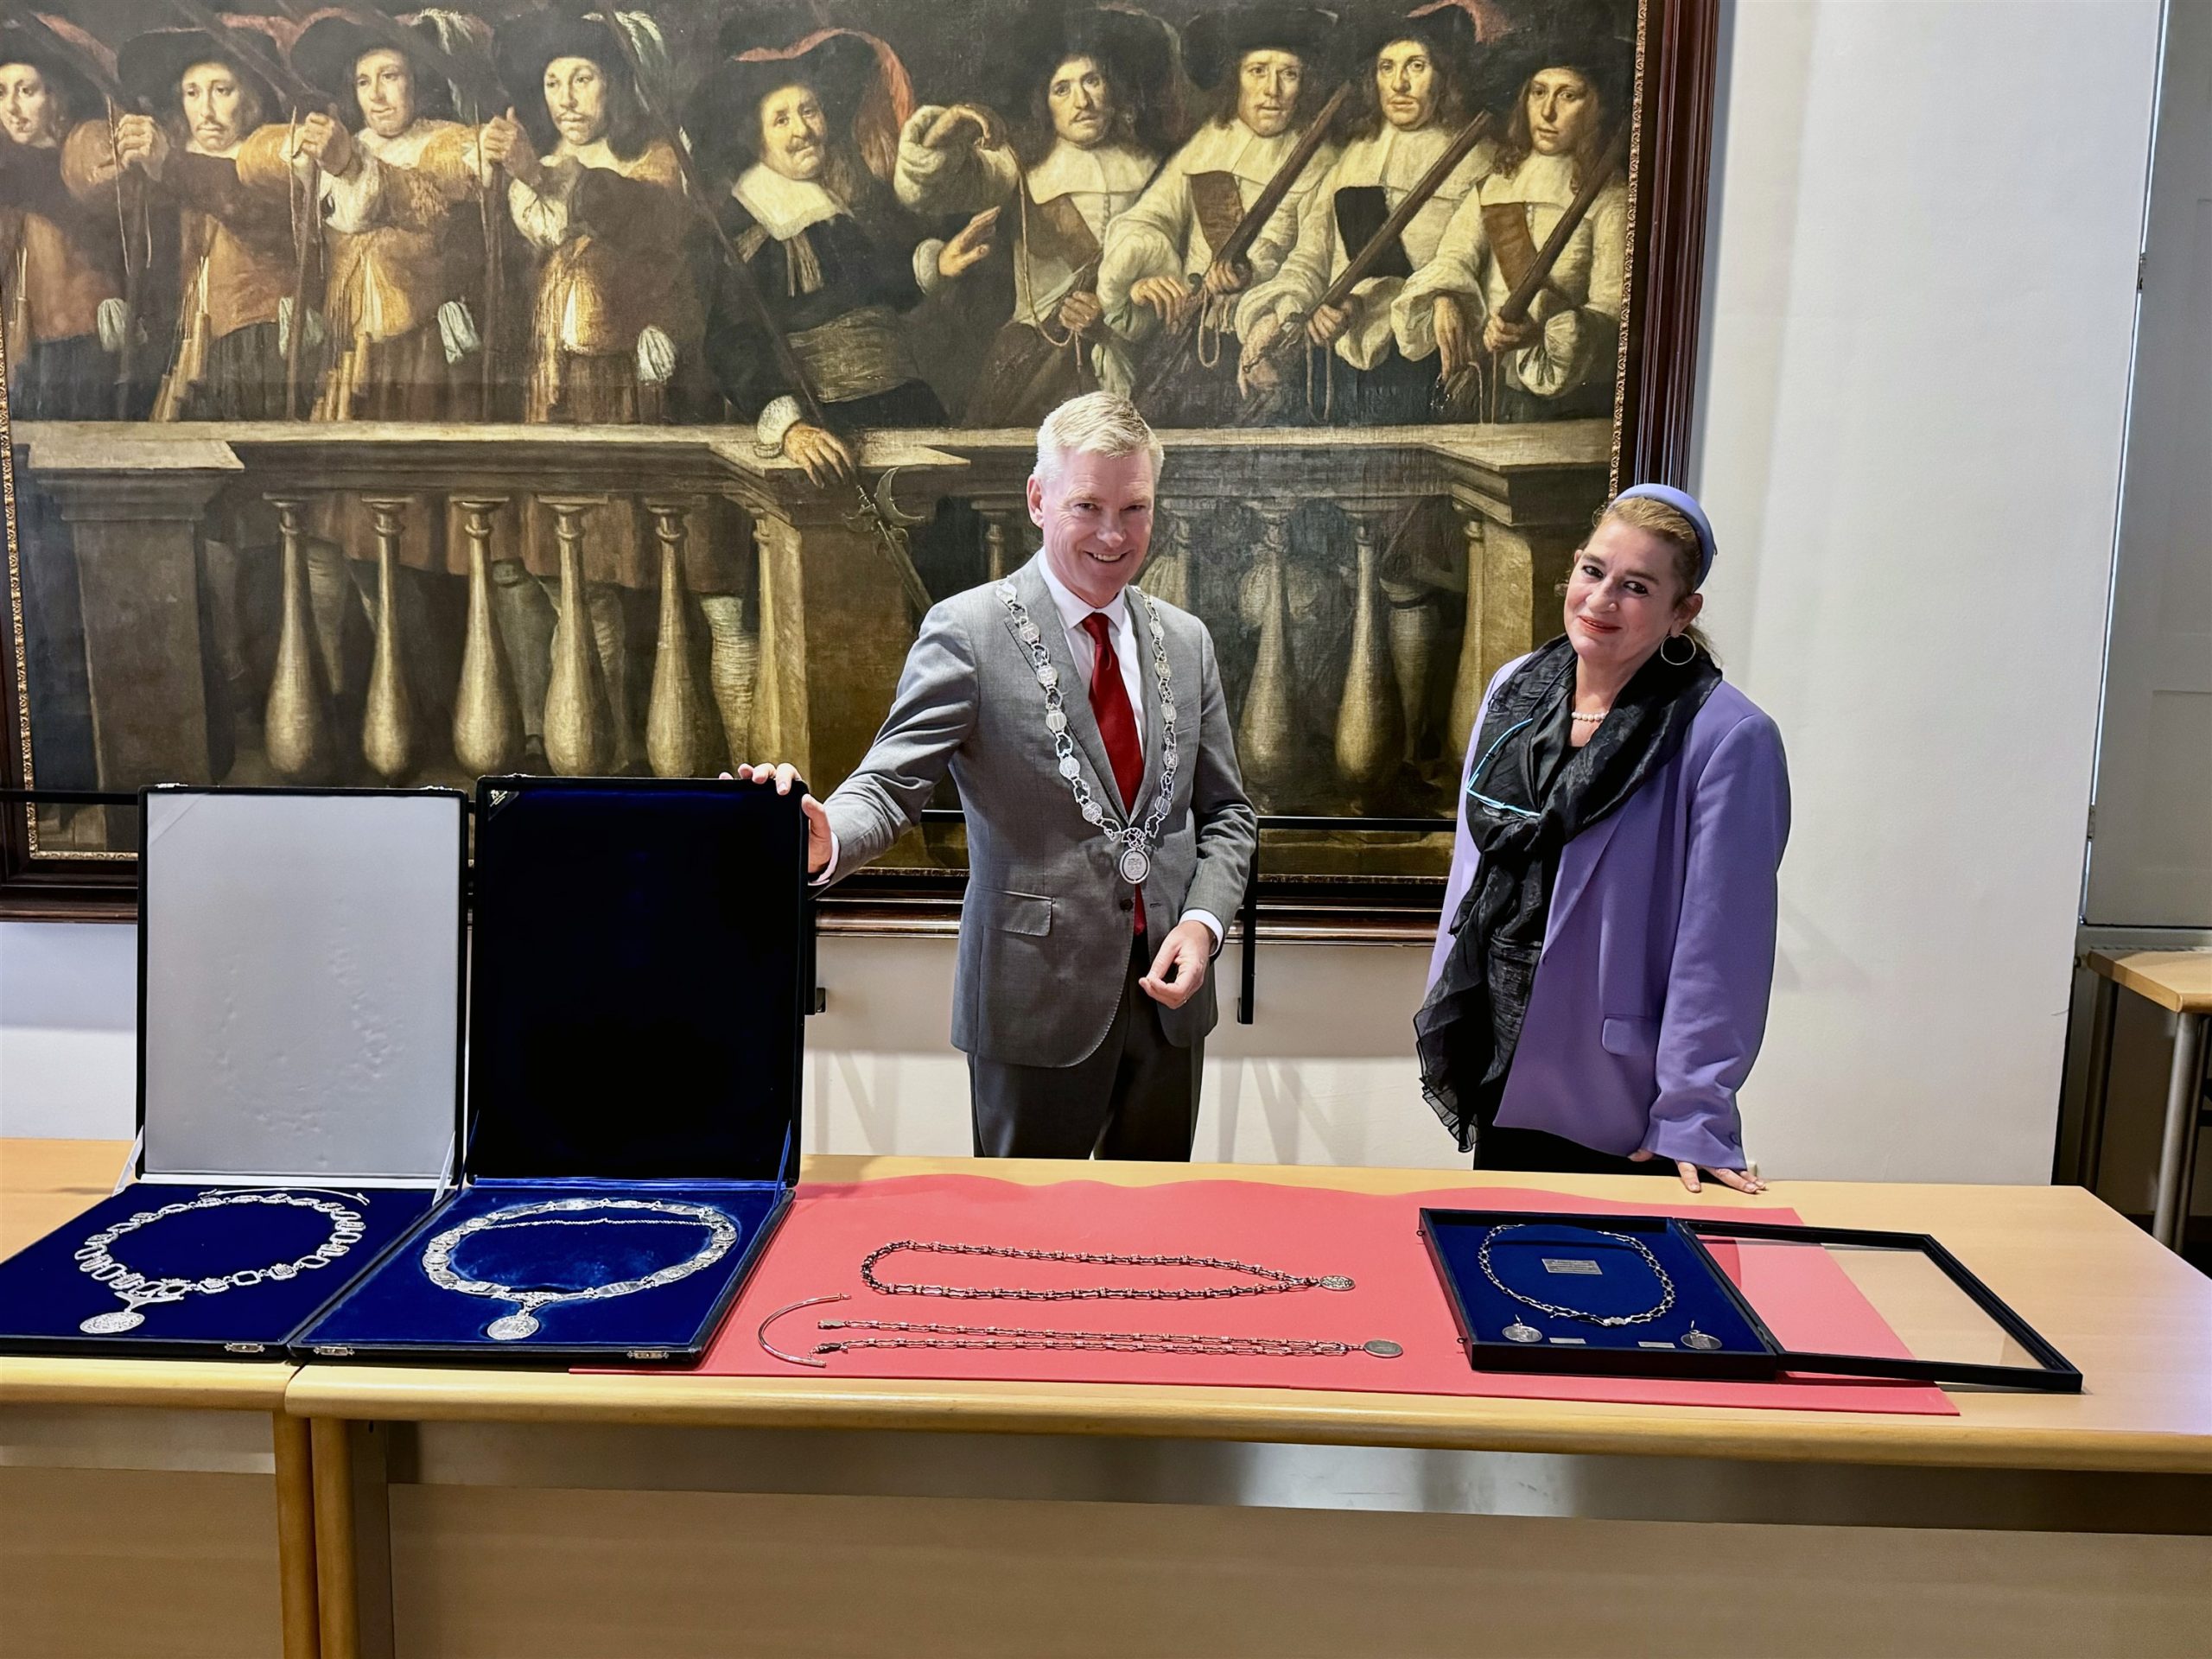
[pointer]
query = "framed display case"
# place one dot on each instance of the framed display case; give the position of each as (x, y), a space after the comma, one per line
(1627, 1294)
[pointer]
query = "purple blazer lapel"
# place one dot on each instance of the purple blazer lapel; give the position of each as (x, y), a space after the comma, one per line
(1577, 861)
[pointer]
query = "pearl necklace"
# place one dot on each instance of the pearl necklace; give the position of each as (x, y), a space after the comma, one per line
(138, 1291)
(438, 1255)
(1589, 720)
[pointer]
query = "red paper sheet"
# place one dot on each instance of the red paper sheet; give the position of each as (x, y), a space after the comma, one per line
(1373, 1238)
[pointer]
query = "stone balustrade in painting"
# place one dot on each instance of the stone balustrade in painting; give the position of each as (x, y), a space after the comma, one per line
(278, 603)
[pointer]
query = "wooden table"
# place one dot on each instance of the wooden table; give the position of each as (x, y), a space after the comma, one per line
(2181, 981)
(144, 1508)
(493, 1513)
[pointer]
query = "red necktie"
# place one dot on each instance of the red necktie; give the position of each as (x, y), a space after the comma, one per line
(1117, 723)
(1110, 702)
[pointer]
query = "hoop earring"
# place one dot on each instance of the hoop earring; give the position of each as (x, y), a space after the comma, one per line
(1670, 661)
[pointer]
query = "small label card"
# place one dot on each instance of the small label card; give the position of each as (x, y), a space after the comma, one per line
(1572, 1264)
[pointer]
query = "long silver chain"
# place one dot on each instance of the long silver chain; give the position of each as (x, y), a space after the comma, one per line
(1273, 1281)
(1137, 844)
(438, 1255)
(910, 1333)
(138, 1291)
(1612, 1321)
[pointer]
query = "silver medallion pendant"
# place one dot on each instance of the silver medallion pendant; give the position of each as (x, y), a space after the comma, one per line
(1703, 1341)
(106, 1324)
(1517, 1331)
(1136, 864)
(1336, 1281)
(513, 1328)
(1382, 1348)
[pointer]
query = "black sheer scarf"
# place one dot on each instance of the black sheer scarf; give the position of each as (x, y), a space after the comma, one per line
(1520, 821)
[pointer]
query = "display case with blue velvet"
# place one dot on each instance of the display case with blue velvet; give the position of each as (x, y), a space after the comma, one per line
(1608, 1295)
(1713, 1298)
(637, 994)
(300, 964)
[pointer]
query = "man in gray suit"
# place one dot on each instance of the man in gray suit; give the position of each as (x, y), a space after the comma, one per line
(1108, 832)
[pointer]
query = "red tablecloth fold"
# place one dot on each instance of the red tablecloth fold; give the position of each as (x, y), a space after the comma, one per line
(1373, 1238)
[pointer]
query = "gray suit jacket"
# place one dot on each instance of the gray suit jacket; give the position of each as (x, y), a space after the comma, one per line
(1044, 927)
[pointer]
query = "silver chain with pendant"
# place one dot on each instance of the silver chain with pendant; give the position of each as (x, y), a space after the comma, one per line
(1520, 1331)
(1137, 844)
(1273, 1280)
(913, 1333)
(438, 1255)
(138, 1291)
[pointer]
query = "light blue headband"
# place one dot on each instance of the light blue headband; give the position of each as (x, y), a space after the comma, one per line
(1685, 504)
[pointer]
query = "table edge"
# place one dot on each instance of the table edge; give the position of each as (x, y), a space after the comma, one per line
(1409, 1421)
(2117, 967)
(178, 1385)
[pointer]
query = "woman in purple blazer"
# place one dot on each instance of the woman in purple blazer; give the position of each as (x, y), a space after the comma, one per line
(1600, 984)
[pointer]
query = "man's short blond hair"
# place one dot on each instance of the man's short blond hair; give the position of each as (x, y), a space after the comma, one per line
(1097, 423)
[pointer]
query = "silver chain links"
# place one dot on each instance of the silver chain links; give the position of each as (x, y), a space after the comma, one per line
(1273, 1280)
(924, 1335)
(438, 1255)
(1611, 1321)
(138, 1291)
(1137, 844)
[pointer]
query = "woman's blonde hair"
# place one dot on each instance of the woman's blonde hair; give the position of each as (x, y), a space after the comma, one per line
(1674, 528)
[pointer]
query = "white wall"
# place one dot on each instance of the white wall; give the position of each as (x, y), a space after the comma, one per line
(1918, 330)
(1327, 1079)
(1918, 326)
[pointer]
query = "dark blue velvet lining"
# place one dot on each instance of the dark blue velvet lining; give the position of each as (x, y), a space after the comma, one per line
(398, 1309)
(635, 982)
(1624, 1284)
(44, 1295)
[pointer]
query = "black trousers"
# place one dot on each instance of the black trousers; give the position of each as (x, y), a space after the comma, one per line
(1135, 1097)
(1536, 1150)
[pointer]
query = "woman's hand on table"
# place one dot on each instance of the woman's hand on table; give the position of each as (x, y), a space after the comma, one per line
(1737, 1178)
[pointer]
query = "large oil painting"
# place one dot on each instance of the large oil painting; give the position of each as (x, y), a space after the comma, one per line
(399, 396)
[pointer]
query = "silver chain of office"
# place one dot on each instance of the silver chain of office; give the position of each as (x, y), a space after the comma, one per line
(1137, 843)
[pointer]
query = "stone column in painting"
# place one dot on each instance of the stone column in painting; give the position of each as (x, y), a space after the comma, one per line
(134, 512)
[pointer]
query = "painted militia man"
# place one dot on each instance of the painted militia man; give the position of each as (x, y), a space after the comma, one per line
(400, 201)
(1091, 84)
(615, 328)
(837, 257)
(229, 172)
(60, 252)
(1264, 68)
(230, 177)
(1418, 96)
(1558, 361)
(61, 275)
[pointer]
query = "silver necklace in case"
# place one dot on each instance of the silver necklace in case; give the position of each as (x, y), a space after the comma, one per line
(1521, 1331)
(138, 1291)
(1138, 844)
(438, 1255)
